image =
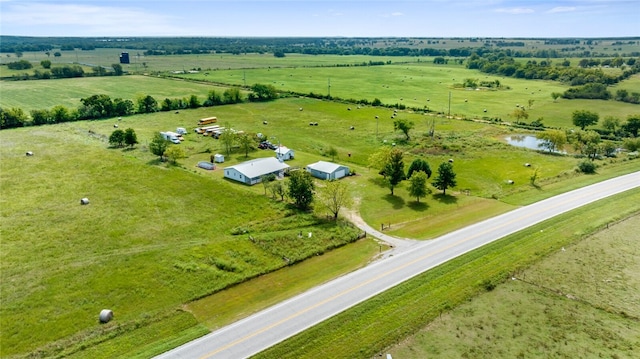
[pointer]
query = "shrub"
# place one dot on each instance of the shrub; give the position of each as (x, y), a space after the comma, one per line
(587, 166)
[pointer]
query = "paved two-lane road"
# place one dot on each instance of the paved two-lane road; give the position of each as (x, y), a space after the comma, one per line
(273, 325)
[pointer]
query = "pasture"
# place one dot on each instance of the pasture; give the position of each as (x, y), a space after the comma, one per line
(157, 239)
(581, 301)
(422, 85)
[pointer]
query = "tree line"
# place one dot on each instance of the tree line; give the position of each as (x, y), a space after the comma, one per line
(588, 82)
(311, 46)
(103, 106)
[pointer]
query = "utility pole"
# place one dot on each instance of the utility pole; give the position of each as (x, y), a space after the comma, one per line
(449, 115)
(329, 87)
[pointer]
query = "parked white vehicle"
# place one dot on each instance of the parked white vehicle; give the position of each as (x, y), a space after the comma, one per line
(170, 136)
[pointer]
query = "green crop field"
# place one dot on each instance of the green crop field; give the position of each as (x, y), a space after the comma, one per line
(159, 241)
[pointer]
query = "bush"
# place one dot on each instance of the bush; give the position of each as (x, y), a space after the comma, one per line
(587, 167)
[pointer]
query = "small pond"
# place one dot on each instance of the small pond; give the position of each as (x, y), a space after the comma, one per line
(527, 141)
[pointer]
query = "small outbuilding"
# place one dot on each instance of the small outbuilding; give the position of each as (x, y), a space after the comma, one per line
(327, 170)
(283, 153)
(218, 158)
(251, 172)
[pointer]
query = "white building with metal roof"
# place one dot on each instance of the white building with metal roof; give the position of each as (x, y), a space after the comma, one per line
(284, 153)
(250, 172)
(327, 170)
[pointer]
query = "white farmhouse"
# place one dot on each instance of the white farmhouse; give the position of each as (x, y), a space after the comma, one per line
(250, 172)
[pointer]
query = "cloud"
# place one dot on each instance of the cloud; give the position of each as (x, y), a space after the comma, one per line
(515, 10)
(397, 14)
(108, 20)
(562, 9)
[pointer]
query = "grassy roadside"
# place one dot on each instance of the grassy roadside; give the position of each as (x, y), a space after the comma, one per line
(401, 311)
(195, 319)
(582, 301)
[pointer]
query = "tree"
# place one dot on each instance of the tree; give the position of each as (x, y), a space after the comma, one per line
(61, 114)
(632, 125)
(403, 125)
(332, 152)
(266, 180)
(584, 118)
(278, 189)
(41, 117)
(552, 140)
(394, 169)
(228, 139)
(122, 107)
(45, 64)
(96, 106)
(520, 114)
(194, 102)
(174, 153)
(13, 117)
(232, 95)
(262, 92)
(555, 96)
(117, 138)
(213, 98)
(446, 177)
(300, 189)
(611, 124)
(530, 104)
(245, 142)
(130, 137)
(418, 185)
(587, 142)
(419, 165)
(158, 145)
(117, 69)
(631, 144)
(379, 159)
(147, 104)
(334, 195)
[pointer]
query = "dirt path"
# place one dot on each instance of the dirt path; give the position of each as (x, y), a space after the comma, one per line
(396, 244)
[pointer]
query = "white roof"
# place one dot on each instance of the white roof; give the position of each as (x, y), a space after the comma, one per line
(260, 166)
(323, 166)
(282, 150)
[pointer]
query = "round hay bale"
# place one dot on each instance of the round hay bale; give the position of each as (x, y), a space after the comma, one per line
(29, 153)
(106, 315)
(84, 201)
(450, 160)
(115, 125)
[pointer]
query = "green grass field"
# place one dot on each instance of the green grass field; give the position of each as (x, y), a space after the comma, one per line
(582, 302)
(157, 239)
(371, 328)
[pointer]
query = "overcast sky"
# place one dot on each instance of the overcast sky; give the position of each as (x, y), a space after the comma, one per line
(353, 18)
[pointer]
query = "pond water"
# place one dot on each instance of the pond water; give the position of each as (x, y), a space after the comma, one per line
(527, 141)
